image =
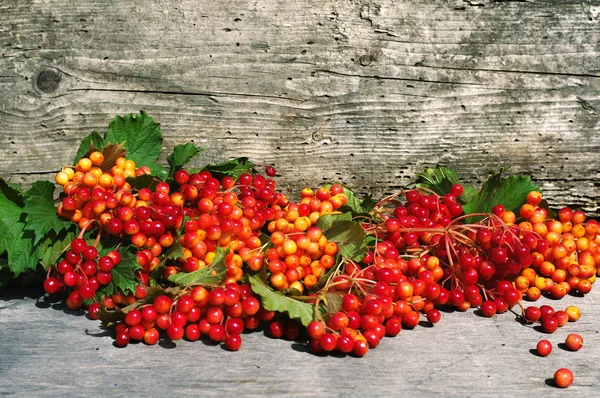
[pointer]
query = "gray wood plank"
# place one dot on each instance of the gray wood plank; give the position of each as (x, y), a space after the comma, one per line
(49, 352)
(364, 92)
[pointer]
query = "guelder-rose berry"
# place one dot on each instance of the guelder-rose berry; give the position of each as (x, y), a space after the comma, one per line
(563, 378)
(574, 342)
(544, 348)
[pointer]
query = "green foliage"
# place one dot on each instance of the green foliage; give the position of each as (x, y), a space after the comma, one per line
(510, 192)
(141, 137)
(14, 239)
(182, 155)
(232, 168)
(13, 192)
(144, 181)
(174, 252)
(41, 213)
(214, 274)
(94, 140)
(441, 179)
(326, 221)
(123, 274)
(357, 206)
(52, 245)
(276, 301)
(349, 235)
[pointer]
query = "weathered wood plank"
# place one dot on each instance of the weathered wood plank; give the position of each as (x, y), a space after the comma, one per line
(50, 352)
(363, 92)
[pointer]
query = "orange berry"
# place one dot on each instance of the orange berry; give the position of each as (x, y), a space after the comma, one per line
(61, 178)
(534, 198)
(84, 165)
(96, 158)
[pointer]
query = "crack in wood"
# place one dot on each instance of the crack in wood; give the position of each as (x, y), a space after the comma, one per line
(527, 72)
(585, 105)
(404, 79)
(473, 4)
(185, 93)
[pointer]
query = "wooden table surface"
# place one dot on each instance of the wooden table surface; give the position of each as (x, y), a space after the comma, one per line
(48, 351)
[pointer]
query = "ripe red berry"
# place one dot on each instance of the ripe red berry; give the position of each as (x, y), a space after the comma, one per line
(328, 342)
(544, 348)
(456, 190)
(549, 324)
(233, 342)
(122, 339)
(563, 378)
(488, 308)
(51, 285)
(270, 171)
(574, 342)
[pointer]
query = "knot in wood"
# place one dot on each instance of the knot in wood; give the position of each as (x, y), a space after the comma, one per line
(365, 60)
(48, 80)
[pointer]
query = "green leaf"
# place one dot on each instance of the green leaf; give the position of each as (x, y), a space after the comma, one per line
(40, 210)
(159, 171)
(143, 181)
(123, 275)
(333, 302)
(276, 301)
(140, 135)
(105, 245)
(213, 274)
(357, 206)
(349, 235)
(50, 248)
(175, 251)
(182, 155)
(232, 168)
(326, 221)
(350, 238)
(94, 140)
(510, 192)
(441, 179)
(14, 240)
(12, 191)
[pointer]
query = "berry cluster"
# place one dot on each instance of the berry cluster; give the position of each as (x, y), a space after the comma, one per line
(421, 253)
(222, 314)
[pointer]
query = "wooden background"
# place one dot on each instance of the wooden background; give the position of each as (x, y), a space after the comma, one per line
(364, 92)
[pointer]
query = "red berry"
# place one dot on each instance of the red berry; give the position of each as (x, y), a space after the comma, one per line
(549, 324)
(233, 342)
(574, 342)
(175, 332)
(563, 378)
(122, 339)
(328, 342)
(51, 285)
(544, 348)
(488, 308)
(270, 171)
(456, 190)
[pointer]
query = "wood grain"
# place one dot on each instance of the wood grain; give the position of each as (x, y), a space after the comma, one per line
(363, 92)
(49, 351)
